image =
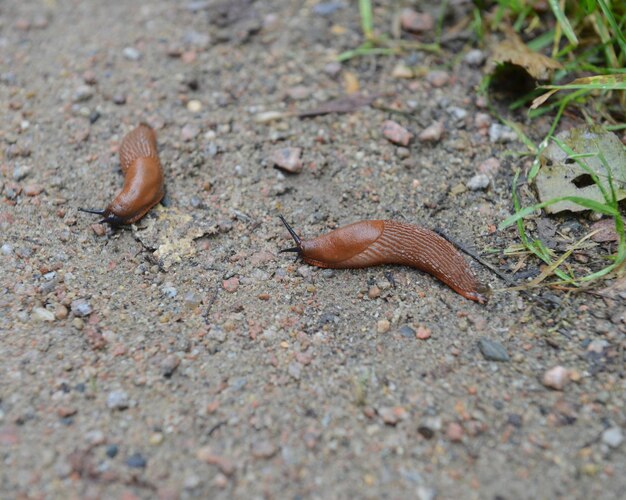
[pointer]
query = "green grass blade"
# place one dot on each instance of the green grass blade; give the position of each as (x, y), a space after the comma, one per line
(367, 18)
(563, 22)
(579, 200)
(617, 32)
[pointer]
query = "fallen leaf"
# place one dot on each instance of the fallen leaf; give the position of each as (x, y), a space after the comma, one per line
(513, 51)
(596, 82)
(561, 175)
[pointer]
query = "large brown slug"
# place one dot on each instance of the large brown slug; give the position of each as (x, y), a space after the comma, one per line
(374, 242)
(143, 178)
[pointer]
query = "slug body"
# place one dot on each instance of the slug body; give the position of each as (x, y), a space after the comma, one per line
(143, 178)
(375, 242)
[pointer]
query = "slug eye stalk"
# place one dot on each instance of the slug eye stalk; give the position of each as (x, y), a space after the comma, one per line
(114, 220)
(92, 211)
(296, 238)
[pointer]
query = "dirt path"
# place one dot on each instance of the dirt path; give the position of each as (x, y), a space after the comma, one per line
(225, 369)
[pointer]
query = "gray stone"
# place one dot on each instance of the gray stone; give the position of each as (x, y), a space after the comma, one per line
(501, 133)
(81, 308)
(493, 350)
(474, 57)
(118, 400)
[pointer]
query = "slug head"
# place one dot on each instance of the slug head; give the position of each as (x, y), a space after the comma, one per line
(109, 218)
(296, 238)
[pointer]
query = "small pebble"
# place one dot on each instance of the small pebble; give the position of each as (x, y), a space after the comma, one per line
(32, 189)
(373, 292)
(131, 53)
(136, 461)
(407, 332)
(332, 68)
(493, 350)
(206, 454)
(89, 77)
(416, 22)
(438, 78)
(501, 133)
(82, 93)
(613, 437)
(401, 70)
(597, 346)
(432, 133)
(119, 98)
(112, 451)
(383, 326)
(556, 378)
(396, 133)
(479, 182)
(454, 432)
(189, 132)
(81, 308)
(118, 400)
(156, 439)
(169, 365)
(43, 314)
(327, 8)
(231, 284)
(422, 333)
(474, 57)
(489, 167)
(299, 92)
(457, 113)
(263, 449)
(60, 311)
(169, 291)
(194, 106)
(287, 159)
(482, 121)
(20, 172)
(403, 152)
(6, 249)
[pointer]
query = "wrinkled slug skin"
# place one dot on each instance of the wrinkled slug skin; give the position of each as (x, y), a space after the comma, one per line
(143, 183)
(375, 242)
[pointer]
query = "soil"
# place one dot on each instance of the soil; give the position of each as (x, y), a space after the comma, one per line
(185, 357)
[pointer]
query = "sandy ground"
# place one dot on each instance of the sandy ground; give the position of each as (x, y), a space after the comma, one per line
(217, 367)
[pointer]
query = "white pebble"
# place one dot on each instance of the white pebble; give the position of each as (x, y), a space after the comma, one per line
(556, 378)
(478, 182)
(613, 437)
(43, 314)
(131, 53)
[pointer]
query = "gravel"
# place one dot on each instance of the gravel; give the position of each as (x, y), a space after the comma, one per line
(296, 382)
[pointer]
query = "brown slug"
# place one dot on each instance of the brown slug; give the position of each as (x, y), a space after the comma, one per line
(143, 178)
(374, 242)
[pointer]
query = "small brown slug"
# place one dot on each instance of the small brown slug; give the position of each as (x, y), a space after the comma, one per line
(143, 178)
(374, 242)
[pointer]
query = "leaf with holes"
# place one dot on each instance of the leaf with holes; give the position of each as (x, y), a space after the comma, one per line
(569, 169)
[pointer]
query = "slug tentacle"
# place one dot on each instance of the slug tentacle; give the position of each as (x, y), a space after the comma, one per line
(293, 234)
(91, 211)
(143, 183)
(376, 242)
